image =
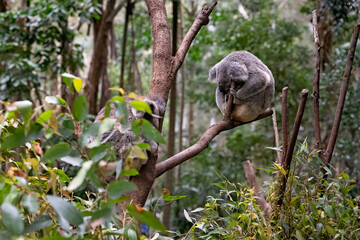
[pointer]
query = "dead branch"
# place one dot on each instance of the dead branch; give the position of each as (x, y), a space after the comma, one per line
(341, 101)
(290, 151)
(276, 134)
(316, 82)
(258, 191)
(284, 124)
(202, 19)
(201, 144)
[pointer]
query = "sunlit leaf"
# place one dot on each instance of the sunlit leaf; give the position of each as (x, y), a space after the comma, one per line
(77, 82)
(56, 100)
(62, 176)
(80, 176)
(141, 106)
(25, 107)
(74, 161)
(122, 92)
(44, 116)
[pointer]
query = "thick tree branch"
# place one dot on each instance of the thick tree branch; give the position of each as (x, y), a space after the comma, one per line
(341, 101)
(316, 81)
(258, 191)
(284, 124)
(290, 151)
(200, 145)
(201, 20)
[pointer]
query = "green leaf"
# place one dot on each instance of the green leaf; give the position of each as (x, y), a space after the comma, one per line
(19, 137)
(56, 100)
(57, 151)
(40, 222)
(80, 176)
(62, 176)
(44, 116)
(30, 203)
(146, 217)
(67, 78)
(65, 210)
(11, 218)
(147, 129)
(118, 188)
(104, 213)
(129, 172)
(169, 198)
(298, 235)
(80, 109)
(141, 106)
(25, 107)
(77, 82)
(99, 152)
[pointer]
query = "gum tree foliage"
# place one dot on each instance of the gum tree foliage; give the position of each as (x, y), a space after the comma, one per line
(39, 198)
(34, 38)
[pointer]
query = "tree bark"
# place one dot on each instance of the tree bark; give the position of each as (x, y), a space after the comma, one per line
(123, 46)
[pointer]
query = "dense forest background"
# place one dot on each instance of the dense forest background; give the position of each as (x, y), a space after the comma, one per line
(109, 45)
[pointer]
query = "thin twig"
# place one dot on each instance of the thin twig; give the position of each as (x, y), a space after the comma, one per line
(201, 144)
(284, 124)
(290, 151)
(316, 82)
(341, 101)
(276, 134)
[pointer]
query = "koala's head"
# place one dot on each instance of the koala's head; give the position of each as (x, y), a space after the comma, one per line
(226, 71)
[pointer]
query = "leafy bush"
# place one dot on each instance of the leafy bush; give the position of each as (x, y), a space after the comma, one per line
(54, 170)
(312, 209)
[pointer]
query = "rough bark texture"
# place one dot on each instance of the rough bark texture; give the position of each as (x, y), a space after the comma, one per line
(164, 71)
(316, 82)
(341, 100)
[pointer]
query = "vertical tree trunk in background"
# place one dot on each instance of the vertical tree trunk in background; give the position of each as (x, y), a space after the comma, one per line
(169, 184)
(325, 34)
(113, 52)
(3, 5)
(182, 101)
(123, 47)
(100, 53)
(191, 109)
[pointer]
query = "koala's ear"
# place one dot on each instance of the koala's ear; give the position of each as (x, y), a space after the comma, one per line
(237, 71)
(212, 74)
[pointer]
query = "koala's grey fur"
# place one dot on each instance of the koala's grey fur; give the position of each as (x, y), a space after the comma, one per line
(124, 138)
(254, 85)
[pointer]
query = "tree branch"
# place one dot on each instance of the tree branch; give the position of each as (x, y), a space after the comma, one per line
(202, 19)
(290, 151)
(276, 134)
(341, 101)
(284, 124)
(201, 144)
(316, 81)
(258, 191)
(114, 12)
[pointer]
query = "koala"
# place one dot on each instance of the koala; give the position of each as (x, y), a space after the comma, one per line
(254, 85)
(123, 137)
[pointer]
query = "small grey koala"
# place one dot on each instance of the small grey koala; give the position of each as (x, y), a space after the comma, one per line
(124, 138)
(254, 85)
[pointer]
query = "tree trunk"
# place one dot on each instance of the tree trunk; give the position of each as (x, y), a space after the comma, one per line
(123, 47)
(169, 184)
